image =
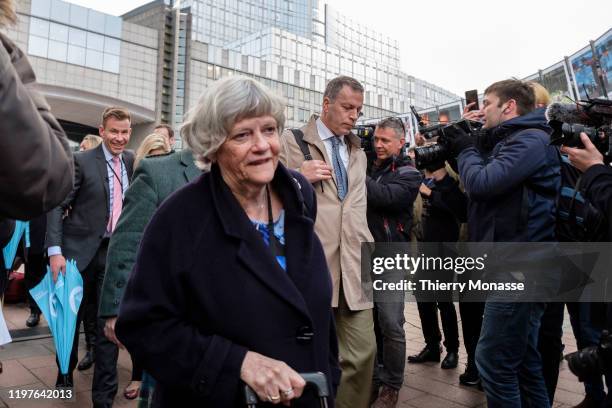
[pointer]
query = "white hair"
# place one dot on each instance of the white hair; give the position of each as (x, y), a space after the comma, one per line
(220, 107)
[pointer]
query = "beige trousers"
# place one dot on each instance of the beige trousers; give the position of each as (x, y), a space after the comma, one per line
(357, 344)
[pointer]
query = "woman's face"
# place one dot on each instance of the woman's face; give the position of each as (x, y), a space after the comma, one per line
(249, 156)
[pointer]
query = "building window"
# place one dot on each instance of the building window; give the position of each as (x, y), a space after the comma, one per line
(38, 46)
(59, 42)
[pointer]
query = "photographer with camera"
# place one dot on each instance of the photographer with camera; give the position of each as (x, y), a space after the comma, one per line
(594, 358)
(444, 209)
(392, 185)
(596, 178)
(511, 194)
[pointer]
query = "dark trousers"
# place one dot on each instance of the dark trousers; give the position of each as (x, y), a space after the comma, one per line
(587, 334)
(471, 323)
(35, 269)
(429, 323)
(136, 370)
(507, 354)
(391, 344)
(105, 383)
(550, 345)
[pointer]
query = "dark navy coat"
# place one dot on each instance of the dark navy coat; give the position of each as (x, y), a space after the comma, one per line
(206, 288)
(512, 189)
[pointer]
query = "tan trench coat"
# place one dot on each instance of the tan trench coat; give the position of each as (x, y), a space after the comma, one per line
(341, 225)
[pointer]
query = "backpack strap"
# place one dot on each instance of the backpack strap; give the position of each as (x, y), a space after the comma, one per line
(299, 139)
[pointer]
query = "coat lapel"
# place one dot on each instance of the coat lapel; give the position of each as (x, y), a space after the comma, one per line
(253, 252)
(311, 136)
(101, 164)
(297, 226)
(352, 143)
(129, 163)
(191, 170)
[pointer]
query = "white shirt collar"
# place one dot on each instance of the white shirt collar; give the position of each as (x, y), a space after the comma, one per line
(108, 155)
(325, 133)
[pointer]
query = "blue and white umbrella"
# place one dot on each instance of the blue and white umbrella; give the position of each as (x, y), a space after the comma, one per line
(59, 302)
(10, 250)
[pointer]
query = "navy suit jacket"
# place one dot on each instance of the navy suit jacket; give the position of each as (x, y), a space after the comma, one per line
(206, 288)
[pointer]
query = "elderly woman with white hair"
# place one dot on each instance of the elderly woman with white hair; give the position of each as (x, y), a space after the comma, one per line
(230, 284)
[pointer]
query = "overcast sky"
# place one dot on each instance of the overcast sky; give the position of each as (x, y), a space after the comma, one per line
(461, 45)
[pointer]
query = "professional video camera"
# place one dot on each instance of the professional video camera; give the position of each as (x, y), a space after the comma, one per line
(591, 116)
(428, 132)
(592, 362)
(435, 155)
(366, 135)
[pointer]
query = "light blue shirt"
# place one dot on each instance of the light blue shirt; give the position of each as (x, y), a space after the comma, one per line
(325, 134)
(56, 250)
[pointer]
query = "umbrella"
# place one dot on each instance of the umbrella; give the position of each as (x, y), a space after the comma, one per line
(59, 302)
(10, 250)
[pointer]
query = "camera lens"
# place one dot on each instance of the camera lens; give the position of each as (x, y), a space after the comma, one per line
(424, 156)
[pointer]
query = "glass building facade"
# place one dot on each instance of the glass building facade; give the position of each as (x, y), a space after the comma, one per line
(73, 34)
(219, 22)
(293, 46)
(296, 47)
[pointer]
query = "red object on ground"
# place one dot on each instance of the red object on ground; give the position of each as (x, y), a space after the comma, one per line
(15, 290)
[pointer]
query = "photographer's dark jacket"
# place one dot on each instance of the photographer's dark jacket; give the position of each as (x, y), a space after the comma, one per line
(443, 211)
(596, 186)
(392, 188)
(512, 189)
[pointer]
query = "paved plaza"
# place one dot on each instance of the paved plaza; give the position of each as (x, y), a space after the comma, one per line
(29, 363)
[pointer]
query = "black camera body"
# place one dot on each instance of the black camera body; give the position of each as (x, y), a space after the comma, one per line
(592, 116)
(592, 362)
(435, 155)
(366, 135)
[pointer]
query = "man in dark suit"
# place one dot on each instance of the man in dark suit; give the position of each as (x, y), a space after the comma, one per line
(80, 228)
(154, 180)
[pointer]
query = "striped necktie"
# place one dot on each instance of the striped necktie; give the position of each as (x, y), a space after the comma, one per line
(339, 169)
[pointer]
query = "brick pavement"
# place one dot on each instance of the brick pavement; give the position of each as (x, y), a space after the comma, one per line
(31, 364)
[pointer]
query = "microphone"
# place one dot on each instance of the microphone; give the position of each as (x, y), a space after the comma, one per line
(567, 113)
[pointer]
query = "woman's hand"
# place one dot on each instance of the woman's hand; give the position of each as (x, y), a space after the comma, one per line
(272, 380)
(424, 190)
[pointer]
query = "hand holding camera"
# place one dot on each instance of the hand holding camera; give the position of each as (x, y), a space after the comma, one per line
(582, 159)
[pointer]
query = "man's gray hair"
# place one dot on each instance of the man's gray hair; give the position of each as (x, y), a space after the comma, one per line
(334, 86)
(220, 107)
(393, 123)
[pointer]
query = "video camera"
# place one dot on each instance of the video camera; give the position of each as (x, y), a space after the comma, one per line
(591, 116)
(592, 362)
(366, 135)
(434, 156)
